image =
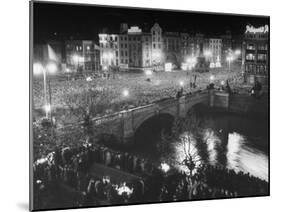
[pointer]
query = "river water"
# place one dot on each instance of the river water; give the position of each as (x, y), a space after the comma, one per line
(232, 141)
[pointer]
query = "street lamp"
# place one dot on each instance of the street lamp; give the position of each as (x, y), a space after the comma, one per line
(125, 93)
(229, 60)
(237, 52)
(51, 68)
(181, 83)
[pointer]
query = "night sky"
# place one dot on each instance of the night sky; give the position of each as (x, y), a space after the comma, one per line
(53, 21)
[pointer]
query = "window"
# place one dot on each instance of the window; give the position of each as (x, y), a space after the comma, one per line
(125, 45)
(121, 45)
(261, 56)
(121, 38)
(154, 46)
(121, 52)
(116, 53)
(250, 46)
(250, 57)
(262, 47)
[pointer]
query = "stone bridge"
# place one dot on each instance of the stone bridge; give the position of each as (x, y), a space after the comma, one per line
(124, 124)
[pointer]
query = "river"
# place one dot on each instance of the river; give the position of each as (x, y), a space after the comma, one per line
(232, 141)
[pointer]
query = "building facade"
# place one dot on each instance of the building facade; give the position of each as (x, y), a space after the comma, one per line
(215, 48)
(82, 55)
(109, 50)
(227, 46)
(256, 53)
(157, 45)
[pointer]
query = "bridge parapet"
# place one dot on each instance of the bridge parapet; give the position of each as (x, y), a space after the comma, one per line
(127, 122)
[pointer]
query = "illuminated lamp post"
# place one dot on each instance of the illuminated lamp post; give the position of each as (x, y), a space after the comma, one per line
(229, 60)
(50, 68)
(125, 93)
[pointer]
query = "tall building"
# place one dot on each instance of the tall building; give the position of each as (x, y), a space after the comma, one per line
(195, 42)
(184, 44)
(109, 50)
(157, 45)
(256, 53)
(135, 46)
(215, 47)
(172, 47)
(82, 55)
(146, 50)
(124, 50)
(132, 48)
(227, 45)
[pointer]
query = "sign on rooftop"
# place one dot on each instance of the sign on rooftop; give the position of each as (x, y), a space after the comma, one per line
(134, 29)
(262, 29)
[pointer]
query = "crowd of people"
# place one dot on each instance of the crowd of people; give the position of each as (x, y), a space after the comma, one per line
(66, 174)
(140, 91)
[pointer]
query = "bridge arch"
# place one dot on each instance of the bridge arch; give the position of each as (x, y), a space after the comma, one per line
(149, 131)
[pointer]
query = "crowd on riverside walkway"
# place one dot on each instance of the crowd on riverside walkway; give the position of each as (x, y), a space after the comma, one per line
(64, 179)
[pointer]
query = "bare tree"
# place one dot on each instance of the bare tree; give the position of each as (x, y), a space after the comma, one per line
(184, 131)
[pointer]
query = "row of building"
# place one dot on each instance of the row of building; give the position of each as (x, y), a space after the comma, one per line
(134, 48)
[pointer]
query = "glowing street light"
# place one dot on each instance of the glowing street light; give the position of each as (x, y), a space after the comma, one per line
(207, 53)
(181, 83)
(222, 83)
(47, 108)
(37, 68)
(165, 167)
(237, 52)
(52, 68)
(125, 93)
(212, 78)
(148, 72)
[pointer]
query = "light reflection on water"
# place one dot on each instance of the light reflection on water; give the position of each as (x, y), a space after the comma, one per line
(242, 157)
(239, 154)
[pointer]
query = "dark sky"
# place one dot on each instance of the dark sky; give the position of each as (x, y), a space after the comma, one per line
(86, 21)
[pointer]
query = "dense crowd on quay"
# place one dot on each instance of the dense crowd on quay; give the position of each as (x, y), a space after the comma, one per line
(64, 179)
(141, 91)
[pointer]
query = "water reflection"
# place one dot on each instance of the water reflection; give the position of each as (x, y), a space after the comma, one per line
(240, 154)
(243, 157)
